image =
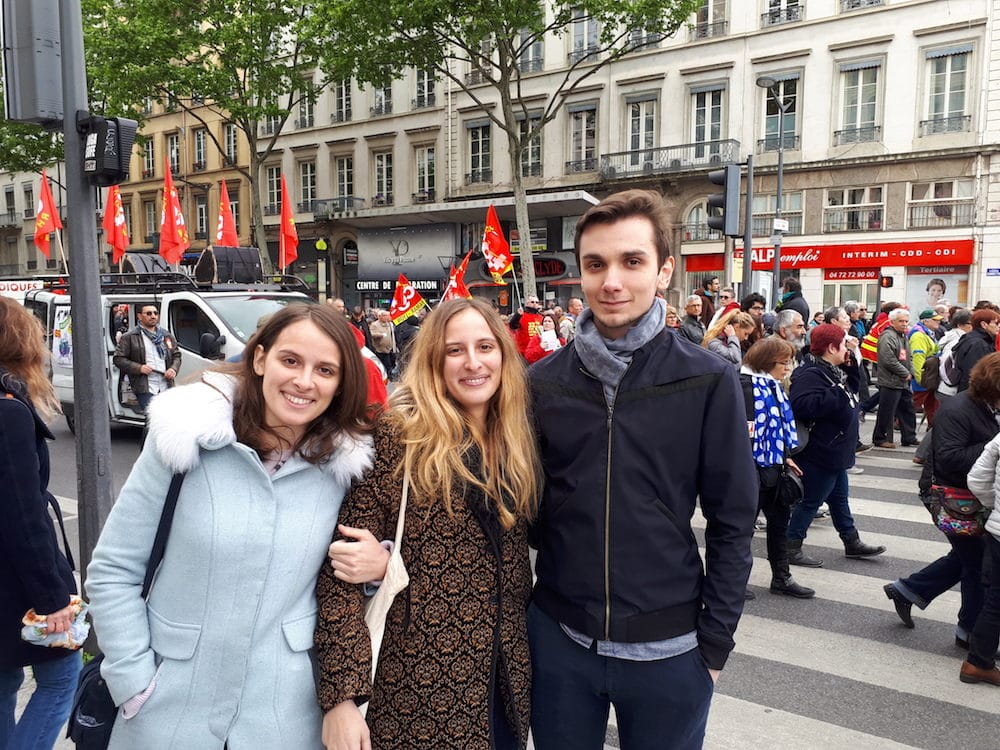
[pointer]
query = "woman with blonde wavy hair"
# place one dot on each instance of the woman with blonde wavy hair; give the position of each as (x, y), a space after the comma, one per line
(453, 670)
(726, 335)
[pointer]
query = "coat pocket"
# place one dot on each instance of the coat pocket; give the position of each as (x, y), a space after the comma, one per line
(299, 630)
(172, 640)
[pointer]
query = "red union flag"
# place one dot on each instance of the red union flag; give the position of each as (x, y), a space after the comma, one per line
(115, 231)
(495, 247)
(173, 232)
(226, 235)
(288, 237)
(46, 217)
(406, 301)
(456, 285)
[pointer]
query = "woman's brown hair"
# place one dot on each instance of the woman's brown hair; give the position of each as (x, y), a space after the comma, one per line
(347, 411)
(23, 354)
(766, 353)
(984, 380)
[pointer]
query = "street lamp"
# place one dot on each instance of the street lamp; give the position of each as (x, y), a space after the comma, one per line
(780, 224)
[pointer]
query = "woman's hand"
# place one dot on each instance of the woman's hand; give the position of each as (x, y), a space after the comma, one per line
(60, 620)
(344, 728)
(360, 558)
(729, 331)
(794, 467)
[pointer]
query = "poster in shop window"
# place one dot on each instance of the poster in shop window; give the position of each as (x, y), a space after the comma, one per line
(927, 286)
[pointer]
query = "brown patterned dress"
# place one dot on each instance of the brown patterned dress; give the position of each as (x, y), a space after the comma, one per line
(455, 651)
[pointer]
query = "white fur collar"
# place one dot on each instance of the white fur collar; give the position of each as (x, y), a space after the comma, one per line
(189, 418)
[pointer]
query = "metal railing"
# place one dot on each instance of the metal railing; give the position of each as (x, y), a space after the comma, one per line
(475, 77)
(846, 5)
(686, 157)
(271, 209)
(305, 207)
(763, 225)
(864, 134)
(381, 199)
(478, 175)
(958, 212)
(531, 170)
(424, 100)
(708, 29)
(788, 14)
(29, 212)
(953, 124)
(328, 208)
(584, 53)
(530, 64)
(304, 122)
(698, 232)
(852, 219)
(385, 108)
(581, 165)
(201, 235)
(790, 142)
(198, 166)
(343, 115)
(10, 219)
(423, 196)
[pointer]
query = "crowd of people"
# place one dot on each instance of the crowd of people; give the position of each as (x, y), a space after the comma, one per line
(297, 470)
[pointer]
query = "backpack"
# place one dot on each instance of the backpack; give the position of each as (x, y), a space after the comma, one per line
(930, 376)
(948, 370)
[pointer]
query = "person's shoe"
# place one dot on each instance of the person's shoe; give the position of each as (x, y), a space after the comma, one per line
(885, 444)
(962, 643)
(854, 548)
(917, 460)
(749, 595)
(820, 515)
(760, 525)
(862, 447)
(861, 415)
(797, 557)
(789, 587)
(855, 470)
(972, 674)
(910, 443)
(902, 604)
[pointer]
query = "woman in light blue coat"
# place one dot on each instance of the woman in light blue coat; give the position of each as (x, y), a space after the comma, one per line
(218, 656)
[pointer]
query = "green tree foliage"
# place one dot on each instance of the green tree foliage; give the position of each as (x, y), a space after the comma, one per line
(25, 147)
(376, 42)
(246, 60)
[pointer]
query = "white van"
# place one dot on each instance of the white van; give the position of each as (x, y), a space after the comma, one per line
(210, 326)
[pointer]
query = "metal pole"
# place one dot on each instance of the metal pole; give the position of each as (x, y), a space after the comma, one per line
(748, 233)
(776, 281)
(90, 397)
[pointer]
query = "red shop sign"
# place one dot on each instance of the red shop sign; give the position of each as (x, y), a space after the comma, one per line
(851, 274)
(705, 262)
(863, 255)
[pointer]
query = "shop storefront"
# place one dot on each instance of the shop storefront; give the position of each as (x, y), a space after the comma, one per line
(556, 275)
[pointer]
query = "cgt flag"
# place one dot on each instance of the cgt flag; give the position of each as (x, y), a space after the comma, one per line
(173, 232)
(115, 231)
(456, 283)
(46, 217)
(288, 238)
(406, 301)
(226, 235)
(495, 247)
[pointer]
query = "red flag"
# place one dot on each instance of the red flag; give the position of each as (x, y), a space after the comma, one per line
(456, 285)
(46, 217)
(288, 238)
(495, 247)
(226, 235)
(115, 231)
(464, 264)
(173, 233)
(406, 301)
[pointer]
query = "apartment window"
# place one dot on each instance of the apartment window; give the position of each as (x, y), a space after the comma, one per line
(200, 143)
(781, 11)
(148, 159)
(271, 125)
(234, 204)
(383, 178)
(696, 228)
(272, 184)
(531, 153)
(29, 200)
(344, 168)
(710, 20)
(305, 118)
(788, 93)
(585, 36)
(174, 152)
(425, 89)
(857, 209)
(342, 101)
(307, 186)
(229, 139)
(582, 138)
(383, 100)
(947, 91)
(707, 119)
(530, 59)
(8, 198)
(151, 220)
(424, 158)
(943, 203)
(763, 213)
(846, 5)
(480, 153)
(127, 211)
(201, 217)
(641, 131)
(859, 103)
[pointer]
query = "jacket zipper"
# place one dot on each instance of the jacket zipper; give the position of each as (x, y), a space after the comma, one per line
(607, 530)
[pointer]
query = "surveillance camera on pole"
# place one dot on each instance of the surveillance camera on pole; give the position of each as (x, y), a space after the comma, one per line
(724, 207)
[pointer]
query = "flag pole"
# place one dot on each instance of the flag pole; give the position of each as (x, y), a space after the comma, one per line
(62, 253)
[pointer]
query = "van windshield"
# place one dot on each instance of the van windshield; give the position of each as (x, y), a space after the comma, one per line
(243, 311)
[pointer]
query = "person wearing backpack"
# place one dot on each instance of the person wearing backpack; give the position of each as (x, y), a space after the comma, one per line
(961, 324)
(979, 342)
(924, 356)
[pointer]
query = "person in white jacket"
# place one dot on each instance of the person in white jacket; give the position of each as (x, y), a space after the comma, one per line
(960, 325)
(984, 483)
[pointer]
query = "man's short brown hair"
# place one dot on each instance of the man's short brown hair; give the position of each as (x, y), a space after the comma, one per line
(625, 205)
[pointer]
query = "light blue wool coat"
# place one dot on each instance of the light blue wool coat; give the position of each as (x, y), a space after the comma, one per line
(230, 619)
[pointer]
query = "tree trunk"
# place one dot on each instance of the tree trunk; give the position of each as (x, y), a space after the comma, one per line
(523, 222)
(259, 233)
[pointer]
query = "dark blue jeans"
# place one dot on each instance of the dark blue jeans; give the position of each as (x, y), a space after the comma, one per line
(985, 636)
(48, 708)
(963, 564)
(821, 485)
(660, 704)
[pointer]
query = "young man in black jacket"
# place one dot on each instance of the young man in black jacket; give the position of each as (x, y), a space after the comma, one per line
(623, 612)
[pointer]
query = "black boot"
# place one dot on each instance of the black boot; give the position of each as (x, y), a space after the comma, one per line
(783, 583)
(797, 557)
(855, 548)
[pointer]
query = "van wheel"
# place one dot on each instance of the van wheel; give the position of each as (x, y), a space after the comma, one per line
(71, 421)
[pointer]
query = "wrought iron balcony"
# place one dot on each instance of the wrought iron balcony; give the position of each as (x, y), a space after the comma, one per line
(271, 209)
(592, 52)
(530, 64)
(688, 157)
(304, 122)
(953, 124)
(29, 212)
(385, 108)
(852, 219)
(531, 170)
(790, 142)
(343, 115)
(698, 232)
(478, 175)
(942, 213)
(423, 196)
(846, 5)
(147, 173)
(788, 14)
(475, 77)
(581, 165)
(381, 199)
(270, 127)
(707, 30)
(330, 208)
(423, 101)
(763, 224)
(10, 219)
(198, 166)
(864, 134)
(305, 207)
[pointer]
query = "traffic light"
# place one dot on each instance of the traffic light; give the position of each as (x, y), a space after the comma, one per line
(107, 149)
(727, 220)
(885, 282)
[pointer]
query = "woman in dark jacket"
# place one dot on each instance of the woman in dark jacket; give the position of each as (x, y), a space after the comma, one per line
(976, 344)
(34, 571)
(772, 434)
(962, 428)
(821, 397)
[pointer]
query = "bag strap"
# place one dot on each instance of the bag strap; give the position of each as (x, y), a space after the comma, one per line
(57, 512)
(398, 541)
(162, 532)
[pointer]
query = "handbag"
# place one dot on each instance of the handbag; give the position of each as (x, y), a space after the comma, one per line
(790, 490)
(93, 715)
(956, 512)
(396, 579)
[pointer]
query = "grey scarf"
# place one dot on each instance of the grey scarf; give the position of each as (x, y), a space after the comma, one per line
(607, 359)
